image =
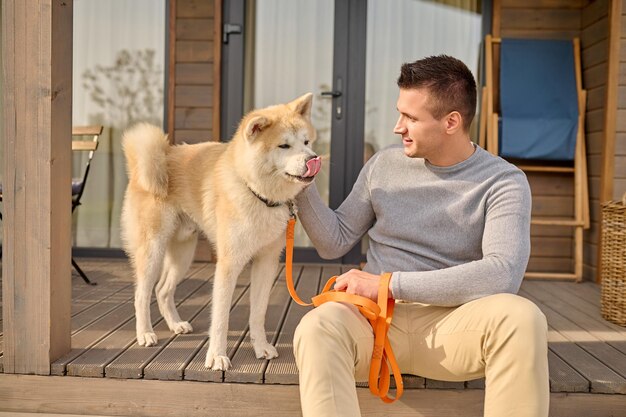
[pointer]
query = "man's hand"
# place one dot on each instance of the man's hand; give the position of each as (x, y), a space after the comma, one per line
(360, 283)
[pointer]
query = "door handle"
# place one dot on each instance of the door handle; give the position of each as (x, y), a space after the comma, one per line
(230, 29)
(332, 94)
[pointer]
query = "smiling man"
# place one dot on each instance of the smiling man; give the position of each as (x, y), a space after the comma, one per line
(452, 223)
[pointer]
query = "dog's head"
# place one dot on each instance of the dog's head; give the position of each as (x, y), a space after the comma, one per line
(278, 144)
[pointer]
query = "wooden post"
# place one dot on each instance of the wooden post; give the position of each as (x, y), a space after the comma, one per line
(171, 82)
(610, 117)
(37, 58)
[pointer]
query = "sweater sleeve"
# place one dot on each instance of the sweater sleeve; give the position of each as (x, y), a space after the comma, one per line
(335, 232)
(505, 247)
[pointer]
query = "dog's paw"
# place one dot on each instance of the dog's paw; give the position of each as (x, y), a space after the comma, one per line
(147, 339)
(264, 350)
(181, 327)
(217, 362)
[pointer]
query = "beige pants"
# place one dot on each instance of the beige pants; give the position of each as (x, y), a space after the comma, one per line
(502, 337)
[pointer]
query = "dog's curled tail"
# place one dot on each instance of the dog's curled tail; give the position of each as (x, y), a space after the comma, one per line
(145, 147)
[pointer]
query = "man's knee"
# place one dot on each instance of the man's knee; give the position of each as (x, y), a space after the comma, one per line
(519, 315)
(329, 325)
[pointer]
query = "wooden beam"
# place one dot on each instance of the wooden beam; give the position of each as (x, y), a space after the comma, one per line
(496, 16)
(217, 69)
(610, 116)
(37, 57)
(171, 81)
(124, 397)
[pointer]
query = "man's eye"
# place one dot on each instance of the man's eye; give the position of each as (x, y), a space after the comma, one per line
(284, 146)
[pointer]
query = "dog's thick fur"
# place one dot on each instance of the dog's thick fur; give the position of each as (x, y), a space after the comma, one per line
(176, 191)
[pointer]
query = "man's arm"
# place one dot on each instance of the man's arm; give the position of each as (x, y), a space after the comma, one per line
(505, 246)
(334, 233)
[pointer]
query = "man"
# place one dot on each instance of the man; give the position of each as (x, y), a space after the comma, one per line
(452, 222)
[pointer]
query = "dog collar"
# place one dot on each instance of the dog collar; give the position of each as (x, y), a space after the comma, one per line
(267, 202)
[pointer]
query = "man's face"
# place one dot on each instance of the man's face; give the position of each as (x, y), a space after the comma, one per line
(422, 134)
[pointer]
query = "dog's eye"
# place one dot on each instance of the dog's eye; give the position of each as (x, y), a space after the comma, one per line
(306, 142)
(284, 146)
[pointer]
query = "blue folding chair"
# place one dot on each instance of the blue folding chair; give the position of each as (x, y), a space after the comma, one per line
(533, 115)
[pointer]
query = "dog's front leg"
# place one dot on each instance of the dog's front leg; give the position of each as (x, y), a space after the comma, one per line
(264, 270)
(226, 273)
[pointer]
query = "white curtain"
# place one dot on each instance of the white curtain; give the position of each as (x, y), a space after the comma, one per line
(118, 68)
(400, 31)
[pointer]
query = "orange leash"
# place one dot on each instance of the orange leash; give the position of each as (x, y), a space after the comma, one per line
(379, 315)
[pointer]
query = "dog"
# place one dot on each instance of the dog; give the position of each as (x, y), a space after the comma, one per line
(239, 194)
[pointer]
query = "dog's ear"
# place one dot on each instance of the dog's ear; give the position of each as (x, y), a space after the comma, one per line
(302, 105)
(255, 126)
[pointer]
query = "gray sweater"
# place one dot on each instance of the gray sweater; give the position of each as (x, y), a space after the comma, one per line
(449, 234)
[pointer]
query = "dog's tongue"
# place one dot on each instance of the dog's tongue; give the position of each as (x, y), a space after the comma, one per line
(313, 167)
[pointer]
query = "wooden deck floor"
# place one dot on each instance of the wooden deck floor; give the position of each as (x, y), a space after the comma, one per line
(587, 354)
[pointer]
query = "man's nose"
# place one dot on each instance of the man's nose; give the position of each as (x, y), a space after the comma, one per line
(399, 128)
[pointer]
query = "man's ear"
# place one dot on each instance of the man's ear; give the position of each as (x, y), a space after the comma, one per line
(454, 122)
(255, 126)
(302, 105)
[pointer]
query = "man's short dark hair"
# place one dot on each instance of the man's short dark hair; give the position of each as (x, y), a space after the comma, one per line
(448, 80)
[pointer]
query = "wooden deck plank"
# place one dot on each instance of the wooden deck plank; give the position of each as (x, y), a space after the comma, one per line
(111, 278)
(475, 384)
(100, 309)
(245, 365)
(564, 378)
(602, 378)
(282, 370)
(95, 332)
(92, 334)
(172, 362)
(131, 363)
(434, 384)
(587, 331)
(92, 362)
(589, 306)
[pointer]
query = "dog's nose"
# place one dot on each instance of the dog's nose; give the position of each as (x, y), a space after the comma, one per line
(313, 166)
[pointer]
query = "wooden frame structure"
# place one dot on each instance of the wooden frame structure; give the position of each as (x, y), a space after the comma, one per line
(36, 268)
(488, 139)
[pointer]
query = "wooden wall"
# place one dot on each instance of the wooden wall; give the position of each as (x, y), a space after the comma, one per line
(594, 42)
(194, 68)
(194, 78)
(619, 183)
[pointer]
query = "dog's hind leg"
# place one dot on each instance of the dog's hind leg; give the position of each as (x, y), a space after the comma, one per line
(178, 257)
(148, 259)
(227, 271)
(264, 270)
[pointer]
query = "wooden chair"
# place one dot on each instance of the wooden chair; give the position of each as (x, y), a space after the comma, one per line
(78, 184)
(554, 137)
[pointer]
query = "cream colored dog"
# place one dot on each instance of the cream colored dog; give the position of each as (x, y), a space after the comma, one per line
(239, 194)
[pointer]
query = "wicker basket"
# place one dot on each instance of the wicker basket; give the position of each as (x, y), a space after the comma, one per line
(613, 294)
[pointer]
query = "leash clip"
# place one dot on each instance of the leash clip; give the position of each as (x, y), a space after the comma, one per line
(293, 209)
